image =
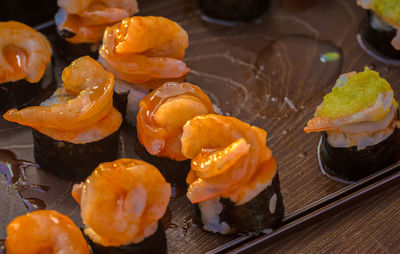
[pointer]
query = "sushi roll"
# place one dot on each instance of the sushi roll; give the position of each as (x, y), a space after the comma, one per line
(81, 24)
(233, 180)
(359, 122)
(380, 31)
(77, 127)
(233, 10)
(162, 114)
(44, 231)
(122, 203)
(143, 53)
(28, 12)
(25, 65)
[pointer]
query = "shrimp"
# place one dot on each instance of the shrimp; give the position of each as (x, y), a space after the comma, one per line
(162, 114)
(368, 119)
(396, 40)
(140, 49)
(88, 19)
(25, 52)
(229, 159)
(44, 231)
(91, 88)
(81, 110)
(79, 6)
(122, 201)
(366, 4)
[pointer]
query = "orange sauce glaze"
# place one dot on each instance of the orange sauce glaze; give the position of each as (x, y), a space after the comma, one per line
(229, 159)
(162, 114)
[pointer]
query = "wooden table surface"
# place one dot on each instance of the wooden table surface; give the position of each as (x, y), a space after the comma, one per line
(371, 226)
(267, 73)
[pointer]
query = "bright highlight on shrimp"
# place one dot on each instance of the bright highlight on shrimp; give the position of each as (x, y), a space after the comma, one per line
(84, 21)
(44, 231)
(122, 201)
(24, 54)
(141, 49)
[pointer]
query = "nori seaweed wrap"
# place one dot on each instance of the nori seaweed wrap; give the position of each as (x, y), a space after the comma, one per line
(120, 101)
(351, 164)
(27, 68)
(233, 10)
(77, 127)
(377, 39)
(21, 93)
(71, 51)
(122, 203)
(358, 121)
(73, 161)
(126, 100)
(261, 213)
(379, 34)
(154, 244)
(233, 180)
(174, 171)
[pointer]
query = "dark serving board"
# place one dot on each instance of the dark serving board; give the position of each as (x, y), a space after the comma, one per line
(267, 73)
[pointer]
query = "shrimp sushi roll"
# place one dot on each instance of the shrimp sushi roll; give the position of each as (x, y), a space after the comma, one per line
(44, 231)
(380, 31)
(25, 65)
(233, 180)
(77, 127)
(359, 124)
(143, 53)
(233, 10)
(160, 120)
(81, 24)
(122, 203)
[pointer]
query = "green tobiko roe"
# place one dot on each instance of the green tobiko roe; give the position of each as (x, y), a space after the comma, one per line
(359, 92)
(388, 10)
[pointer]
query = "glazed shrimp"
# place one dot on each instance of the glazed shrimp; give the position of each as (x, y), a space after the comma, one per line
(44, 231)
(140, 49)
(88, 19)
(122, 201)
(229, 159)
(88, 89)
(25, 52)
(162, 114)
(80, 6)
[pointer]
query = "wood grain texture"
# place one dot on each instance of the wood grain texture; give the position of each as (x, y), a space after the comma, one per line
(267, 73)
(368, 227)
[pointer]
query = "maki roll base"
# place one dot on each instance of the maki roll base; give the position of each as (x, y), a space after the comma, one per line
(154, 244)
(73, 161)
(261, 214)
(175, 172)
(349, 165)
(378, 43)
